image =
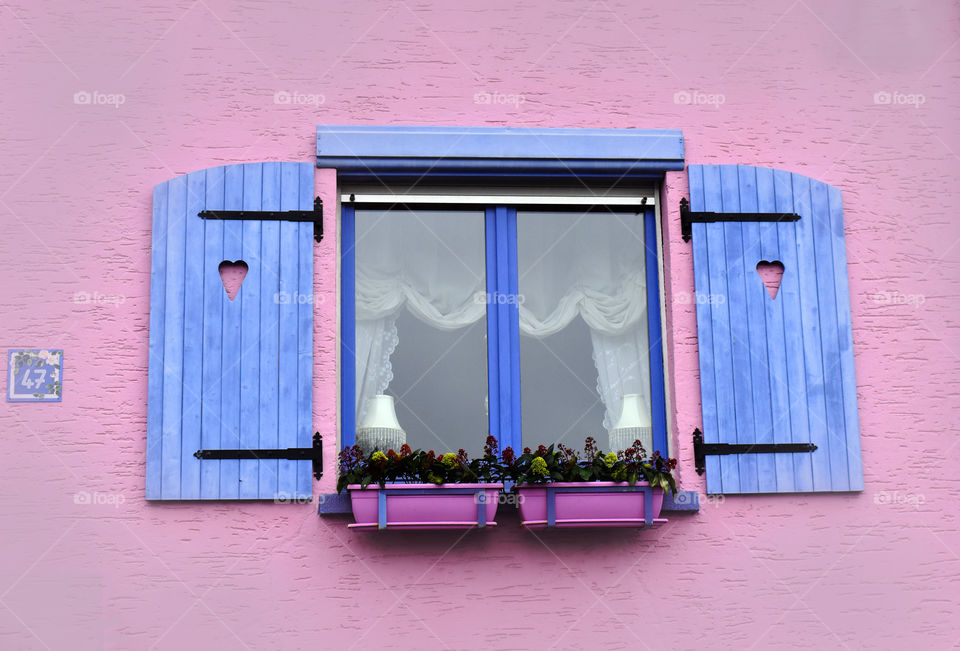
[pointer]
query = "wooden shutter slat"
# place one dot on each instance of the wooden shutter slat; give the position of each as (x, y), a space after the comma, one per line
(173, 339)
(190, 438)
(851, 420)
(213, 299)
(708, 383)
(720, 325)
(792, 341)
(231, 343)
(757, 299)
(830, 336)
(810, 321)
(155, 373)
(287, 318)
(774, 322)
(738, 306)
(305, 306)
(249, 297)
(270, 253)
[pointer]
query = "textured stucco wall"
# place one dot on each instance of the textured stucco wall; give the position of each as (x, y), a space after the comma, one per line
(789, 84)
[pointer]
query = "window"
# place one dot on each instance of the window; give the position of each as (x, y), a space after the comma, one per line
(529, 320)
(774, 370)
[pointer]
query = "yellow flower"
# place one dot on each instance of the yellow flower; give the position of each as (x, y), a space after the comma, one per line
(379, 456)
(433, 479)
(539, 467)
(610, 459)
(449, 460)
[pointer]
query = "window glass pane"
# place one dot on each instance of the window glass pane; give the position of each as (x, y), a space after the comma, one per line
(583, 328)
(421, 328)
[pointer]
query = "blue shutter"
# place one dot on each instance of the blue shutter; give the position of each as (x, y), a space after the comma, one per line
(774, 370)
(222, 373)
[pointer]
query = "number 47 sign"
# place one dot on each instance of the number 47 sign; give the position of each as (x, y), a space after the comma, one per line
(34, 375)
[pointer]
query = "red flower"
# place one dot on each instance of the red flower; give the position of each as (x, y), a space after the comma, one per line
(590, 446)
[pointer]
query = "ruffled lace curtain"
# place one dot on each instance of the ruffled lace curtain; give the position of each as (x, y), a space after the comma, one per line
(432, 265)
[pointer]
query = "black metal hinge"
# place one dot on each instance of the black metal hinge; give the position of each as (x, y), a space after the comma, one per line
(701, 449)
(315, 216)
(688, 218)
(314, 454)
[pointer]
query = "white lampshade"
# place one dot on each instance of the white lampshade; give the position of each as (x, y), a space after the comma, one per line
(380, 429)
(633, 424)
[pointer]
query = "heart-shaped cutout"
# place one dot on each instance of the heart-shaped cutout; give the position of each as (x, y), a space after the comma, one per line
(771, 273)
(232, 275)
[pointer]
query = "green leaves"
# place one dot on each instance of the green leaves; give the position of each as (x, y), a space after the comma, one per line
(545, 464)
(566, 465)
(415, 466)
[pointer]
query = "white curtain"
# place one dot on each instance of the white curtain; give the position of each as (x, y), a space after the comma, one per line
(376, 340)
(622, 367)
(570, 264)
(430, 262)
(592, 265)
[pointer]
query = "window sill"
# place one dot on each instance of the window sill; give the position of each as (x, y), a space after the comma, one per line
(339, 503)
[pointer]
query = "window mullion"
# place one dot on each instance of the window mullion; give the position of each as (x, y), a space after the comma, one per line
(503, 326)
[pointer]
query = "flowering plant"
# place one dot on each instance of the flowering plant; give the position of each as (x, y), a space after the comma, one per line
(417, 466)
(560, 463)
(540, 466)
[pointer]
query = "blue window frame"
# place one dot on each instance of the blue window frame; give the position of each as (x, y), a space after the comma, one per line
(503, 331)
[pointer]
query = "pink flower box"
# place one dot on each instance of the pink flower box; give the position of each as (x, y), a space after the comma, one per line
(424, 506)
(590, 504)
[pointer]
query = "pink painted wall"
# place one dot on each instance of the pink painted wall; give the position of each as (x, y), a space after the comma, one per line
(787, 84)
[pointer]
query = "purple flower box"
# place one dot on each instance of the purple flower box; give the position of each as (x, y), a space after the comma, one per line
(424, 506)
(590, 504)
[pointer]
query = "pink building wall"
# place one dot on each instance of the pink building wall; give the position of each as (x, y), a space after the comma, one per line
(188, 85)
